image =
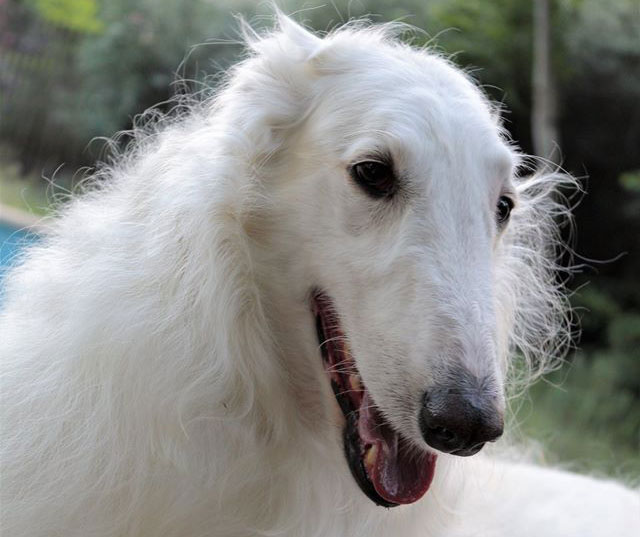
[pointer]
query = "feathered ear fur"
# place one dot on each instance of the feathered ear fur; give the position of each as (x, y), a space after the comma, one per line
(298, 43)
(277, 81)
(302, 42)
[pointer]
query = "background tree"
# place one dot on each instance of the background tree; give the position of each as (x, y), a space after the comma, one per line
(544, 102)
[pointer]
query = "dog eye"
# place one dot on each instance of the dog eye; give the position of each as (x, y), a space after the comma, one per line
(374, 177)
(503, 209)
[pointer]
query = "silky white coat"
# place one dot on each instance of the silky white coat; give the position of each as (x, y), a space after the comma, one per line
(160, 370)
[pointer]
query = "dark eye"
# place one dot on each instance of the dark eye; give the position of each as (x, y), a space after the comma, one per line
(374, 177)
(503, 209)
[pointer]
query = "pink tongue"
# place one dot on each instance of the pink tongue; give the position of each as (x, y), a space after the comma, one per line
(399, 474)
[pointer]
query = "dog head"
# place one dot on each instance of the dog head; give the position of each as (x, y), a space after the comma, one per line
(406, 229)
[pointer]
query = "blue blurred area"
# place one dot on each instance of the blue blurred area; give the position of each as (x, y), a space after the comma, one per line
(12, 240)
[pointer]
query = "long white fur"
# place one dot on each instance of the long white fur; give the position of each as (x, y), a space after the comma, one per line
(160, 372)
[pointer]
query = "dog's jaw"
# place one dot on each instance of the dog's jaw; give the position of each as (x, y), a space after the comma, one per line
(387, 468)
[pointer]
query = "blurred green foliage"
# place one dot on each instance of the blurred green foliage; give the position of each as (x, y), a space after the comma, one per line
(77, 15)
(133, 62)
(26, 193)
(74, 69)
(589, 412)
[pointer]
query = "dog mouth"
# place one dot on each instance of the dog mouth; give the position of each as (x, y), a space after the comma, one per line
(388, 468)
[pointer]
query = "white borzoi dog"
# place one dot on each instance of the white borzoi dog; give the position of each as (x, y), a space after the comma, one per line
(289, 312)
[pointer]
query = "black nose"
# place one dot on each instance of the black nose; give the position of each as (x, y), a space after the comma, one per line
(459, 421)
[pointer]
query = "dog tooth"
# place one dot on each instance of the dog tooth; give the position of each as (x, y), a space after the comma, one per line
(354, 381)
(370, 456)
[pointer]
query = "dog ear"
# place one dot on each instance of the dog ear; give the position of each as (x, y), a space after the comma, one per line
(277, 80)
(290, 39)
(303, 44)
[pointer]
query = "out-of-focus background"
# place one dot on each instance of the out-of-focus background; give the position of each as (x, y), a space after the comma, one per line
(566, 71)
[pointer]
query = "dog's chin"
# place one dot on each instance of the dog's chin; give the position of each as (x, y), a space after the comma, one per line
(389, 469)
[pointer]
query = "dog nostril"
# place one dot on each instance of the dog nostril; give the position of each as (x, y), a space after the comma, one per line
(444, 435)
(442, 438)
(438, 430)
